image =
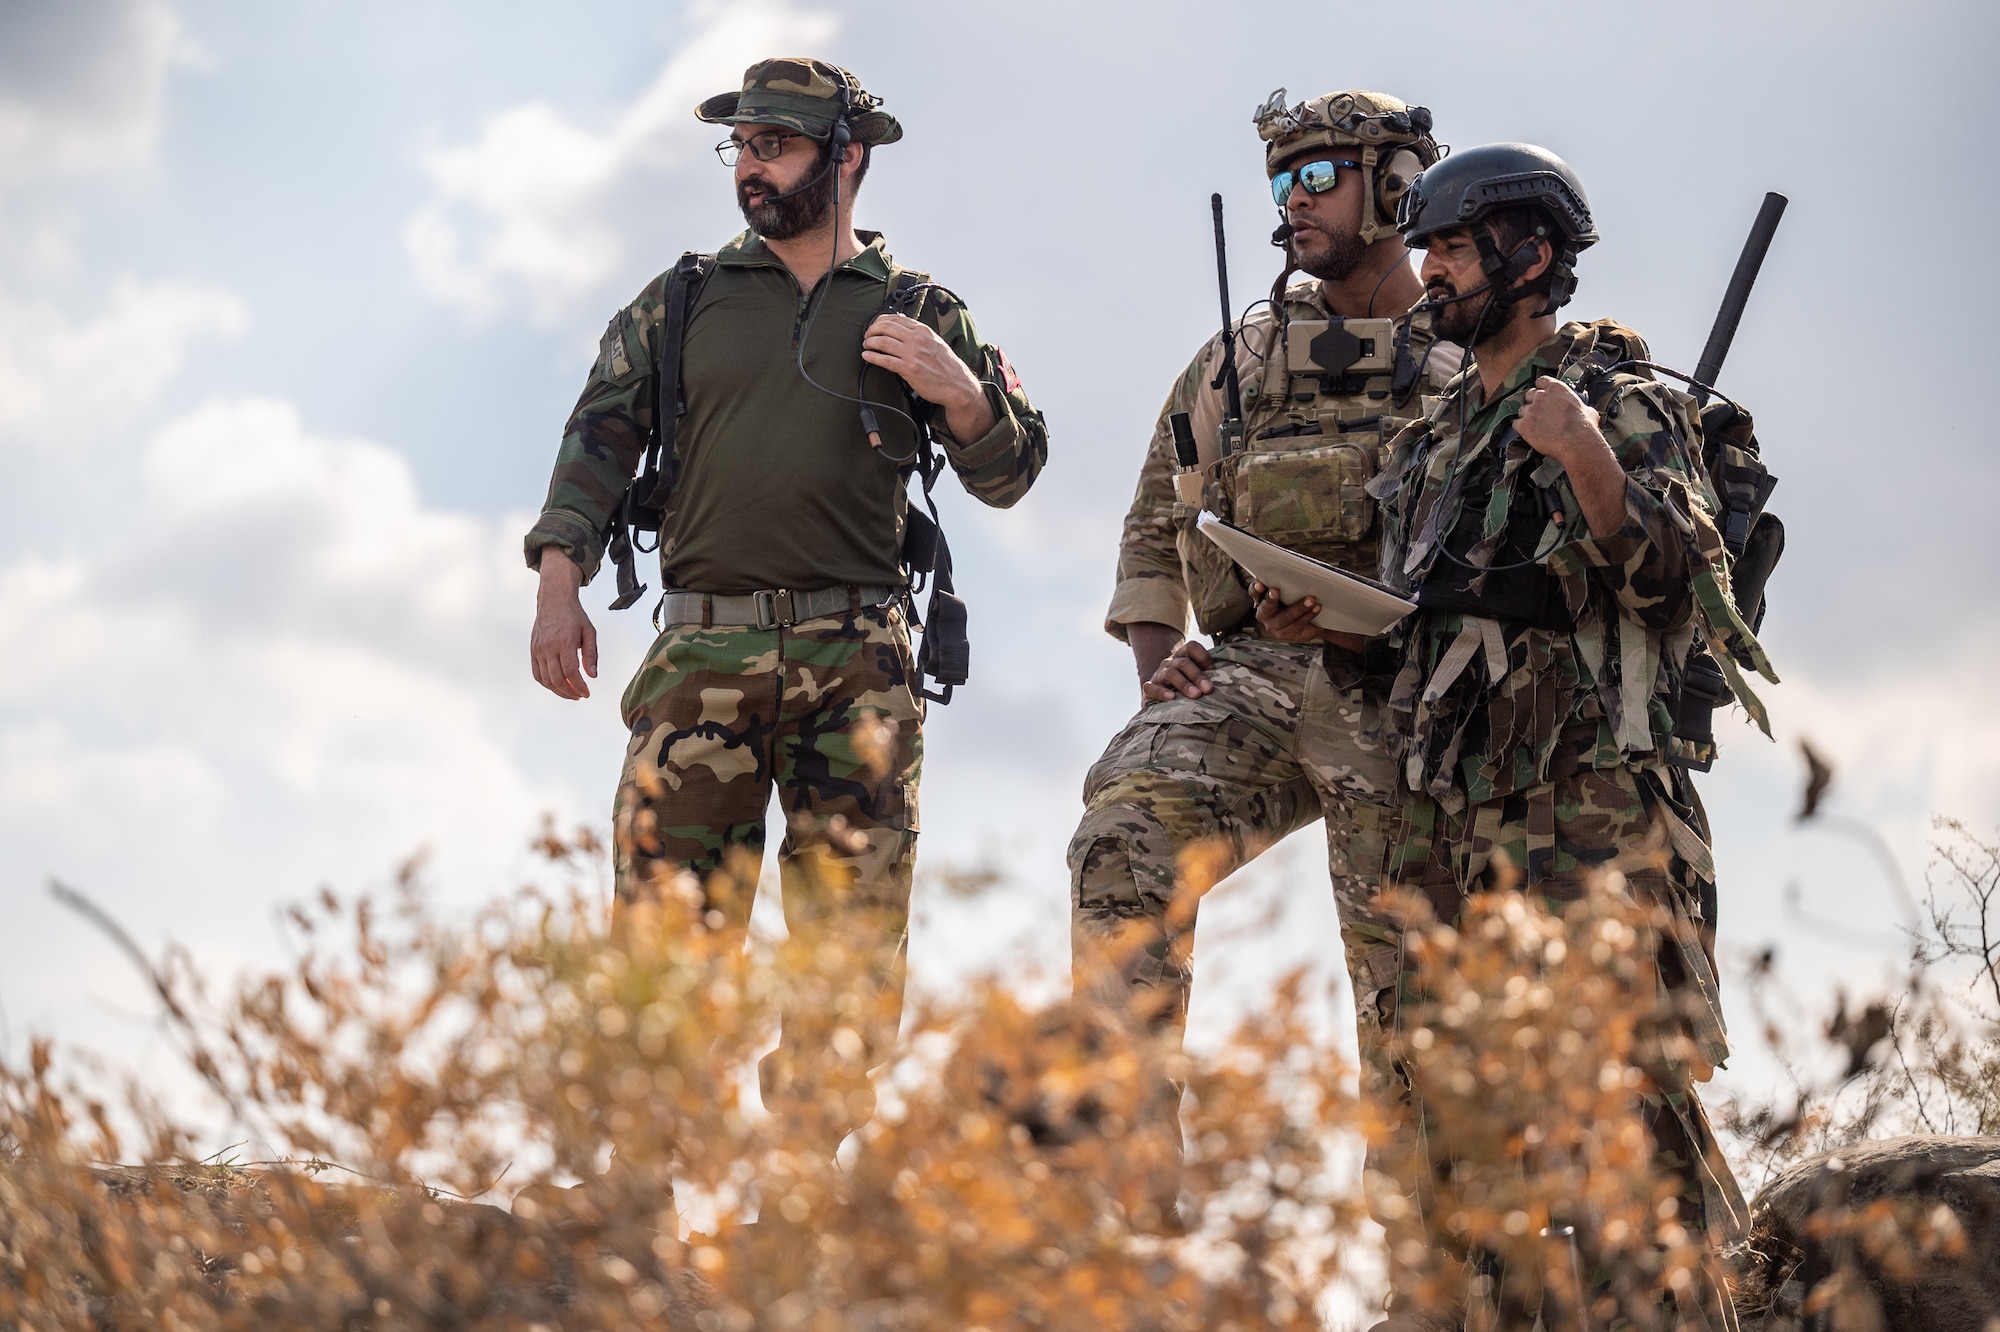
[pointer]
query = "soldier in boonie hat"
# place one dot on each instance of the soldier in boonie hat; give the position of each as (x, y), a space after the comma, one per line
(805, 95)
(773, 398)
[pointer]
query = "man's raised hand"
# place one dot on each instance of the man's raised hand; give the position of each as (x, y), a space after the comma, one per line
(930, 367)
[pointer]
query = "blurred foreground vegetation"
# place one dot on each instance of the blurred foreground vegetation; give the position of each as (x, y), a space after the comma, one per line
(596, 1074)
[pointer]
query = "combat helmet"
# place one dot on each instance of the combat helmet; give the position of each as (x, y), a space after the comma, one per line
(806, 95)
(1465, 187)
(1393, 136)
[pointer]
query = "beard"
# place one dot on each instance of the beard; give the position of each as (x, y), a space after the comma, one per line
(782, 219)
(1469, 322)
(1334, 258)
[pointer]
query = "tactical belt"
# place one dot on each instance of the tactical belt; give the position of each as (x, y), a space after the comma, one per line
(779, 608)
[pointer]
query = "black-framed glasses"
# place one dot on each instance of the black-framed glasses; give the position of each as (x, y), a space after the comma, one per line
(1312, 177)
(765, 147)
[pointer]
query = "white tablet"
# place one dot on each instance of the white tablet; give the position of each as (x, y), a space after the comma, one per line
(1348, 603)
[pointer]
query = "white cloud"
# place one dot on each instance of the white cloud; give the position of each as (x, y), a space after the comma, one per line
(1930, 731)
(81, 84)
(285, 662)
(1916, 738)
(65, 381)
(539, 210)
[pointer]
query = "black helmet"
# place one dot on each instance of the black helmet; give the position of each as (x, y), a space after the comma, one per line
(1466, 186)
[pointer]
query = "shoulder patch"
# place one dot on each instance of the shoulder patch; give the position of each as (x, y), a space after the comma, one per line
(613, 363)
(1009, 381)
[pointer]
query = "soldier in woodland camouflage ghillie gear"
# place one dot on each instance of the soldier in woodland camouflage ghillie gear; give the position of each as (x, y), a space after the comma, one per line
(1556, 529)
(785, 657)
(1198, 783)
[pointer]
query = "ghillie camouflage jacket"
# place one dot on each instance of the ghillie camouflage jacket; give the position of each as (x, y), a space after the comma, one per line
(1488, 705)
(1311, 444)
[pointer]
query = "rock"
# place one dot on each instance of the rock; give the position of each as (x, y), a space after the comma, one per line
(1900, 1235)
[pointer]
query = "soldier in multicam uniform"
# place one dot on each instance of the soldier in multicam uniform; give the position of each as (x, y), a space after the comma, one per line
(1550, 518)
(1238, 746)
(785, 656)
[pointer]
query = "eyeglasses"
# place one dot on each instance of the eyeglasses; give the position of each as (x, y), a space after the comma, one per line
(1313, 177)
(765, 147)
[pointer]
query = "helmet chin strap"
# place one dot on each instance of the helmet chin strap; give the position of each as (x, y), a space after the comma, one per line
(1498, 269)
(1282, 239)
(1512, 269)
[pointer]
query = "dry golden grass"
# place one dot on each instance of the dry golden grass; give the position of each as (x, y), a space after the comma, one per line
(1005, 1187)
(1010, 1181)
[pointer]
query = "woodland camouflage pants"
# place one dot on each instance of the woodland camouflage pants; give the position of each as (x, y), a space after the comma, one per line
(1192, 789)
(826, 711)
(1560, 834)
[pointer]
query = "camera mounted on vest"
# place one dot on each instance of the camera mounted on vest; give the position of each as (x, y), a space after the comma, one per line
(1467, 188)
(1393, 138)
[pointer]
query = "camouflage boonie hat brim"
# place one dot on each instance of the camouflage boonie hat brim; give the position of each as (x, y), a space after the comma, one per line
(801, 94)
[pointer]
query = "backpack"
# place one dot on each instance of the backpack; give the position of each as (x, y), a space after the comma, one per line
(1755, 538)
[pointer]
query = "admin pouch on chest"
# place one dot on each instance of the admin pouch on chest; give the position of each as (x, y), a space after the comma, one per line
(646, 509)
(1321, 410)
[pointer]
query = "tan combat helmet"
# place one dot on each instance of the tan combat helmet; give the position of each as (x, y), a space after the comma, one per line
(1394, 139)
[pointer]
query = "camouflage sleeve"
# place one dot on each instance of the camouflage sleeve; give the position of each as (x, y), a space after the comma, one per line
(1151, 587)
(603, 440)
(998, 467)
(1646, 563)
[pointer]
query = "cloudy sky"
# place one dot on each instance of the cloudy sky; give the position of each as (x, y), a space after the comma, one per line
(294, 300)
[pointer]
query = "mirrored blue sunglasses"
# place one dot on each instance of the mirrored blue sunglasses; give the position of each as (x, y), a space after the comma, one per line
(1313, 177)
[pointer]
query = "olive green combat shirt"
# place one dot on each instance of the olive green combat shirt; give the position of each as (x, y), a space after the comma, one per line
(779, 486)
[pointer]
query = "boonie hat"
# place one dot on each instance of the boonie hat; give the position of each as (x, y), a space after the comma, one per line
(802, 94)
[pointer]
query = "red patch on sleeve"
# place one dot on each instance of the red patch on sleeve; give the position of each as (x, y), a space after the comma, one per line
(1009, 381)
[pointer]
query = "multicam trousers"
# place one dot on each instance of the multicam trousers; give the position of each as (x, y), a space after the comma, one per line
(827, 712)
(1192, 789)
(1553, 839)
